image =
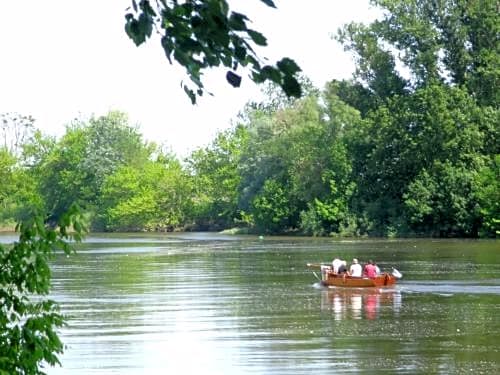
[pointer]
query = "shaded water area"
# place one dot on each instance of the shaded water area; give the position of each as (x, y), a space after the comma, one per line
(214, 304)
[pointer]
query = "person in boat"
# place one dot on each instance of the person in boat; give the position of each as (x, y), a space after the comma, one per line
(355, 269)
(335, 265)
(343, 267)
(377, 269)
(370, 270)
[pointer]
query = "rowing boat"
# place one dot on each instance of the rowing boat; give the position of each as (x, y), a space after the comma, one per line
(328, 278)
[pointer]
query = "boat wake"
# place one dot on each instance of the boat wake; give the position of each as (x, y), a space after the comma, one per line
(452, 287)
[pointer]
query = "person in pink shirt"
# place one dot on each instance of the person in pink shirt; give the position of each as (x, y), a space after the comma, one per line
(370, 270)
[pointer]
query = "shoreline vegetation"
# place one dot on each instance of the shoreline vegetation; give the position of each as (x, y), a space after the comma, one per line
(381, 154)
(7, 227)
(253, 232)
(296, 168)
(314, 167)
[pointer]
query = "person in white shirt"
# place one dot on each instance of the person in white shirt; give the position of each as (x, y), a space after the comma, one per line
(335, 265)
(355, 269)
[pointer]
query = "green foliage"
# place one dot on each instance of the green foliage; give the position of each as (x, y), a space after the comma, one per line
(444, 201)
(28, 320)
(417, 158)
(216, 179)
(452, 41)
(270, 208)
(75, 168)
(7, 162)
(488, 196)
(154, 197)
(128, 203)
(202, 34)
(323, 218)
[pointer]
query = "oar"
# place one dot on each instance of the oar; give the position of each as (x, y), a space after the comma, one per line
(316, 276)
(315, 265)
(396, 273)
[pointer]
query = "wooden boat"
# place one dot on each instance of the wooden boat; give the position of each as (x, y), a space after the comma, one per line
(343, 280)
(328, 278)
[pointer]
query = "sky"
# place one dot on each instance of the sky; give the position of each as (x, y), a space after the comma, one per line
(67, 59)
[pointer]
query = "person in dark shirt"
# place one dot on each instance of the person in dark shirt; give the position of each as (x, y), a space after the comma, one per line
(342, 267)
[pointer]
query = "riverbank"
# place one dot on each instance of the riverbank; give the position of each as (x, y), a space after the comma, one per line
(7, 227)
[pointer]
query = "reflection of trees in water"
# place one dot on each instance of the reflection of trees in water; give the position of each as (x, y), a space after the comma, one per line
(351, 303)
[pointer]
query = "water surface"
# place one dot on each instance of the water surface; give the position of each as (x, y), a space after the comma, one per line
(213, 304)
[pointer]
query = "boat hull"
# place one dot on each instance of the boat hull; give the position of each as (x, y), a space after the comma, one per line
(331, 279)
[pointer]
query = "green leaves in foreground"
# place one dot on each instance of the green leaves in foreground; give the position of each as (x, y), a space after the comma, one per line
(201, 34)
(28, 322)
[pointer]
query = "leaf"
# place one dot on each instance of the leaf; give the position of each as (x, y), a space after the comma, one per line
(237, 21)
(240, 53)
(257, 77)
(145, 25)
(167, 47)
(257, 37)
(146, 7)
(272, 73)
(133, 30)
(191, 94)
(182, 58)
(288, 66)
(233, 79)
(269, 3)
(291, 86)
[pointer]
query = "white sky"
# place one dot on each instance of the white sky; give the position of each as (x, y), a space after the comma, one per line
(62, 59)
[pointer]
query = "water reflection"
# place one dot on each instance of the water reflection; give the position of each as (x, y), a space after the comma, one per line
(357, 303)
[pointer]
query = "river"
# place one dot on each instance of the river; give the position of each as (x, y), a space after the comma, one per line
(215, 304)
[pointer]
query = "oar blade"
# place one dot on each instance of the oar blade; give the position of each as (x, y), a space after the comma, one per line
(396, 273)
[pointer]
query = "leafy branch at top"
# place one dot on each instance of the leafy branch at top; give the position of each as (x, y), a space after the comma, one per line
(200, 34)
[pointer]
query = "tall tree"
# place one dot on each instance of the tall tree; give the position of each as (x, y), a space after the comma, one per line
(450, 41)
(76, 167)
(421, 73)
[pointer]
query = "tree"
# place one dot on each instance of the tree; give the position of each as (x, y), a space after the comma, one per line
(7, 188)
(452, 41)
(444, 201)
(28, 320)
(76, 167)
(421, 86)
(157, 196)
(216, 179)
(271, 208)
(488, 196)
(201, 34)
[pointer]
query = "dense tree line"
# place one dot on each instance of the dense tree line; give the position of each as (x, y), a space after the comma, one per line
(425, 163)
(409, 146)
